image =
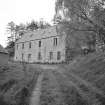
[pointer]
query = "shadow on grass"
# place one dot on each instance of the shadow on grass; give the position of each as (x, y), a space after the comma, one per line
(7, 85)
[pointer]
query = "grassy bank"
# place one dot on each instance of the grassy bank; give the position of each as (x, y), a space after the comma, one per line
(90, 68)
(88, 73)
(16, 83)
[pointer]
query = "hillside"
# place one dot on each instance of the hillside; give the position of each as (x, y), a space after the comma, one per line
(91, 68)
(88, 77)
(82, 82)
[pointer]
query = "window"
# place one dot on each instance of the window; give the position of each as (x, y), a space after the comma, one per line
(22, 56)
(51, 55)
(29, 57)
(39, 43)
(58, 55)
(17, 46)
(55, 41)
(30, 45)
(39, 56)
(22, 45)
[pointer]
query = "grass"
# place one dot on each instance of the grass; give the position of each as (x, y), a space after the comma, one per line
(80, 83)
(91, 68)
(70, 93)
(88, 73)
(16, 84)
(57, 90)
(51, 93)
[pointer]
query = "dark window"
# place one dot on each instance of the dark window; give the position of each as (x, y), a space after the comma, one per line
(22, 56)
(51, 55)
(58, 55)
(30, 45)
(39, 56)
(29, 57)
(55, 41)
(17, 46)
(39, 43)
(22, 45)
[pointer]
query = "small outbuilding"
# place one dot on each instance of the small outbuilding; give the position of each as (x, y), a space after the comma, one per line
(4, 56)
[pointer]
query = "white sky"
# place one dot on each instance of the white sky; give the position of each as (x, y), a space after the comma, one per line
(22, 11)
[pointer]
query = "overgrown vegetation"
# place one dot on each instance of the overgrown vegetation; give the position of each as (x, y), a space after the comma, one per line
(15, 86)
(82, 16)
(88, 73)
(91, 68)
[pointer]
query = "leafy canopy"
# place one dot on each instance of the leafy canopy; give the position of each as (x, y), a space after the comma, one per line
(82, 15)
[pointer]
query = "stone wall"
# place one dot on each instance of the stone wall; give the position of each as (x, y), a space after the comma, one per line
(47, 46)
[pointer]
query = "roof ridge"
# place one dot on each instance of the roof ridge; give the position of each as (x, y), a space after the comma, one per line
(38, 34)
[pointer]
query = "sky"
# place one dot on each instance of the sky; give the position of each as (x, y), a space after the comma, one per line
(22, 11)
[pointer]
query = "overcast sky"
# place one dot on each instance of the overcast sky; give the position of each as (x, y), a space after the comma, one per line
(22, 11)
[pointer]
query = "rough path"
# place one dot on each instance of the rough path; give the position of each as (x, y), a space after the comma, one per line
(35, 98)
(51, 93)
(49, 67)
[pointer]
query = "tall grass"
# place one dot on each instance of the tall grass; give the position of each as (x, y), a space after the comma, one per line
(17, 83)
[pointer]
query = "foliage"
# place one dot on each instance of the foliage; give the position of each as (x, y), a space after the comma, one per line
(83, 15)
(17, 31)
(32, 26)
(11, 30)
(14, 90)
(10, 48)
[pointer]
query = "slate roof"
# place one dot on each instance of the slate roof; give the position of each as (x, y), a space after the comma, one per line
(38, 34)
(2, 50)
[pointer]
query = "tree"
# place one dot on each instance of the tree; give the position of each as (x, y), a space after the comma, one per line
(10, 48)
(11, 39)
(33, 25)
(15, 32)
(43, 24)
(20, 30)
(11, 29)
(83, 15)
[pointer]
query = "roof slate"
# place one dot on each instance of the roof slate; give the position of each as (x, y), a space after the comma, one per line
(38, 34)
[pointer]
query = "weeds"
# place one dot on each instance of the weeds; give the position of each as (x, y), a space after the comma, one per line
(4, 68)
(7, 85)
(14, 90)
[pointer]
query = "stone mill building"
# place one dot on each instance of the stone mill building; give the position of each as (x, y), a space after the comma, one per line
(42, 45)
